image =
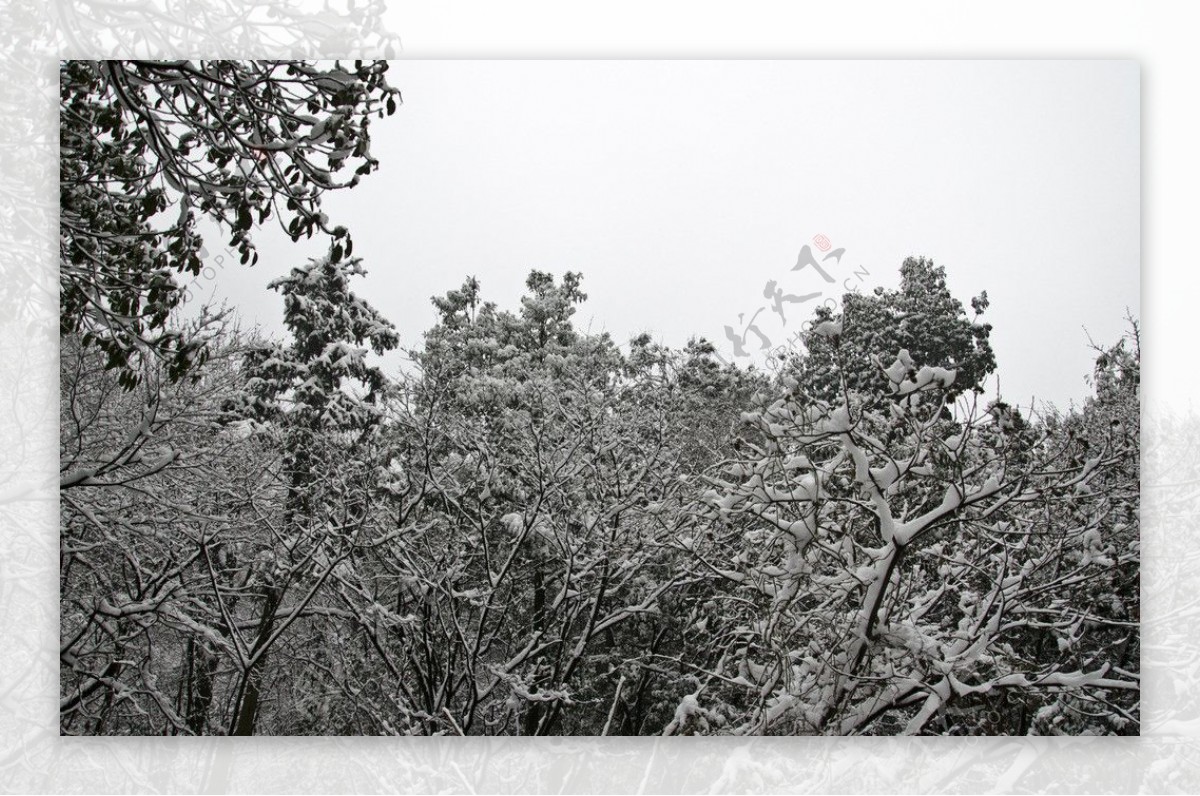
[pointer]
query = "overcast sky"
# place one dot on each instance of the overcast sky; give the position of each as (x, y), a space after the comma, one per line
(679, 188)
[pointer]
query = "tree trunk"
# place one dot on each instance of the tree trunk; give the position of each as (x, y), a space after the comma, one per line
(533, 713)
(251, 686)
(201, 665)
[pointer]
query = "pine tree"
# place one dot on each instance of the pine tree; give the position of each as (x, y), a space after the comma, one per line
(322, 396)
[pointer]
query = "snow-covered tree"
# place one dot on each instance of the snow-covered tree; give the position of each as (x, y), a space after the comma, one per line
(148, 147)
(151, 479)
(922, 317)
(887, 565)
(526, 489)
(321, 398)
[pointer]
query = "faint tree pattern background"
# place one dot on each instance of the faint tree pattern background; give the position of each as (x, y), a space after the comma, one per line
(33, 36)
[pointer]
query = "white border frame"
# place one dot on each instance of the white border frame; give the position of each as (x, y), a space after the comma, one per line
(34, 759)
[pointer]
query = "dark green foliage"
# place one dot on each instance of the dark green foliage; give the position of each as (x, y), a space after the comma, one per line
(921, 317)
(149, 147)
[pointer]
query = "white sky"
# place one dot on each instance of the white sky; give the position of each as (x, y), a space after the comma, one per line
(679, 188)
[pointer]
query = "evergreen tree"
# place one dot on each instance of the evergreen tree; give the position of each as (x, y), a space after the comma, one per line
(922, 317)
(322, 397)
